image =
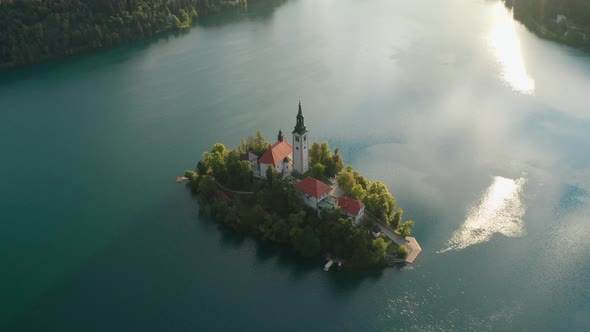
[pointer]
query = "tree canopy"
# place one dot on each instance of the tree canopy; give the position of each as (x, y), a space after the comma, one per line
(377, 198)
(36, 31)
(320, 154)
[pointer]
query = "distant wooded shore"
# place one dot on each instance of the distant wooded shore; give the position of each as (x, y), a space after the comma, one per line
(34, 32)
(565, 21)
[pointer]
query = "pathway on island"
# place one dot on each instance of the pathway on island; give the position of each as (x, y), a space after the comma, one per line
(181, 179)
(233, 191)
(410, 242)
(336, 191)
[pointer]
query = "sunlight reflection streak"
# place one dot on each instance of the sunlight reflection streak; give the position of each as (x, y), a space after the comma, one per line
(500, 210)
(506, 46)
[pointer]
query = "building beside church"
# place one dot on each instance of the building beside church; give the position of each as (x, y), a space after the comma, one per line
(352, 208)
(314, 191)
(252, 159)
(284, 157)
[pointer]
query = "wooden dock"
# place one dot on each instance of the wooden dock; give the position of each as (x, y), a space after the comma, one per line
(328, 265)
(413, 248)
(181, 179)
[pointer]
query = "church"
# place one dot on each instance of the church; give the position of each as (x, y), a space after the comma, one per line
(288, 158)
(284, 157)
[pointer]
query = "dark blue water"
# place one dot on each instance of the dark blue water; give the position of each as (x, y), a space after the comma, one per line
(479, 128)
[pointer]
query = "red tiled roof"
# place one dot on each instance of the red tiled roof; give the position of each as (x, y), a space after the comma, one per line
(349, 205)
(277, 153)
(313, 187)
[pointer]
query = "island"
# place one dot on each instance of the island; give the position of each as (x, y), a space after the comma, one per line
(300, 194)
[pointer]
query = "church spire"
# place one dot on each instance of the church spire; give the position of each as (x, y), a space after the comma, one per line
(300, 126)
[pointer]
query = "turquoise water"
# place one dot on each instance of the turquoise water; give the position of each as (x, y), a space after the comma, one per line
(479, 128)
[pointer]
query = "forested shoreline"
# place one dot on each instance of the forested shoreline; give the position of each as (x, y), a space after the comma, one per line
(566, 21)
(35, 31)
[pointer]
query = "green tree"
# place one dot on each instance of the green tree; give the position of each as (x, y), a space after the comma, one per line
(358, 192)
(366, 184)
(281, 231)
(334, 164)
(202, 168)
(272, 176)
(296, 237)
(310, 242)
(219, 148)
(297, 219)
(314, 154)
(346, 181)
(177, 22)
(319, 154)
(406, 228)
(219, 212)
(216, 161)
(379, 247)
(380, 202)
(397, 217)
(243, 148)
(325, 153)
(258, 144)
(207, 189)
(403, 252)
(239, 174)
(317, 171)
(189, 174)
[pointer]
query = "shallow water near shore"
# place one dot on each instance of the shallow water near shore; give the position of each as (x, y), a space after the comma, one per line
(479, 128)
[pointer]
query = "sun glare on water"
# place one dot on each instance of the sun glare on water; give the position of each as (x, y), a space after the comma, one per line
(504, 42)
(499, 210)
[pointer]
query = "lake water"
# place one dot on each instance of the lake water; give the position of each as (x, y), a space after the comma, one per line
(479, 128)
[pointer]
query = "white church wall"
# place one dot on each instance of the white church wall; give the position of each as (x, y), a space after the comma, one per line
(263, 168)
(310, 201)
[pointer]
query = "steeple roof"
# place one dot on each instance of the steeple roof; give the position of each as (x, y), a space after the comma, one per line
(300, 126)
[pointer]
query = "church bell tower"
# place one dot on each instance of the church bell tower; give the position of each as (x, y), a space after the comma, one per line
(300, 144)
